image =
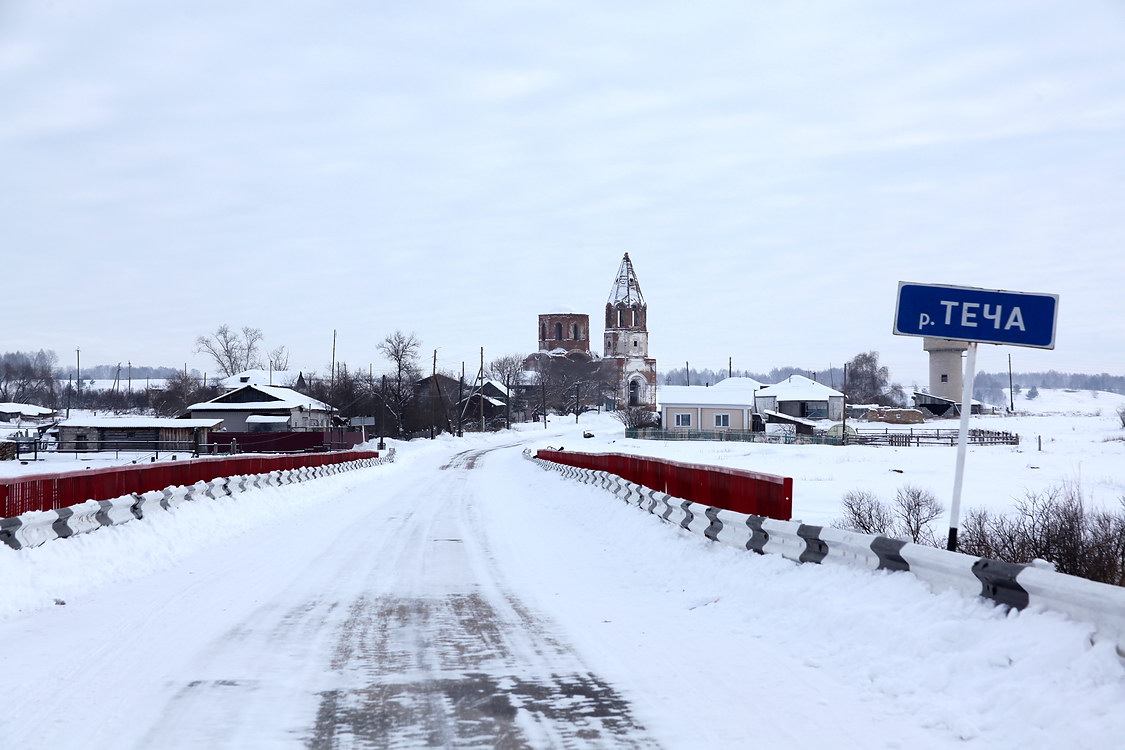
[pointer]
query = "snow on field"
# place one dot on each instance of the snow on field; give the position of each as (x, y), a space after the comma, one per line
(1081, 434)
(232, 623)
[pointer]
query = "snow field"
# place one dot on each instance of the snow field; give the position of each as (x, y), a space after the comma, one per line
(696, 627)
(713, 647)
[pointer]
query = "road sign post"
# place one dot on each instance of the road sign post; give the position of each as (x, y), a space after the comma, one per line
(977, 316)
(987, 316)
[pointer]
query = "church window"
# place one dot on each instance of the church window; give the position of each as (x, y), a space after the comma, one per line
(634, 316)
(945, 378)
(574, 332)
(620, 318)
(558, 331)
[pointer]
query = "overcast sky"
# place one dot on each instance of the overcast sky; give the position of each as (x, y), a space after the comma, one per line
(455, 169)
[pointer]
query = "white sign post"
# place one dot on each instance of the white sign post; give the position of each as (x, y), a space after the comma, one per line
(962, 443)
(964, 313)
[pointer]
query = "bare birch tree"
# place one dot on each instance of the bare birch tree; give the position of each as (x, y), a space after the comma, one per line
(232, 352)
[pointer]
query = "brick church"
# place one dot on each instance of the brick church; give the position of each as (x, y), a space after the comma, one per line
(625, 368)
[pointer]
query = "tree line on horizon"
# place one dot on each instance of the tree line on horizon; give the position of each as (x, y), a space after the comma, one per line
(37, 377)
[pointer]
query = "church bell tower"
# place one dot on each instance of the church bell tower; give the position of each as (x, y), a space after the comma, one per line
(626, 340)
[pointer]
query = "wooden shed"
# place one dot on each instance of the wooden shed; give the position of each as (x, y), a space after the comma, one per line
(144, 434)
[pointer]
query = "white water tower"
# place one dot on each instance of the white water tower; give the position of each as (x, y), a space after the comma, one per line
(945, 366)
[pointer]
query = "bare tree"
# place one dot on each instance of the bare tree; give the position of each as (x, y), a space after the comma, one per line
(179, 392)
(231, 352)
(1053, 525)
(637, 417)
(278, 358)
(909, 517)
(28, 377)
(402, 350)
(916, 509)
(865, 512)
(868, 382)
(508, 370)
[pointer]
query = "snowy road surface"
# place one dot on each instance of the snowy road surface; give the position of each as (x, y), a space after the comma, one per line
(465, 598)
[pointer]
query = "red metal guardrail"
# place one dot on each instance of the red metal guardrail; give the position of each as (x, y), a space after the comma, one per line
(50, 491)
(738, 490)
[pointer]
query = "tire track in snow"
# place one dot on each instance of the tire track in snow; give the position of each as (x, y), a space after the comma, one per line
(466, 664)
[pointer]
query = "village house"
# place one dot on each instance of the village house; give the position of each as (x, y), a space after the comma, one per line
(801, 398)
(727, 405)
(236, 408)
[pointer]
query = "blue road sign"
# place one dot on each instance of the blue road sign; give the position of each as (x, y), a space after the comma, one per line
(966, 313)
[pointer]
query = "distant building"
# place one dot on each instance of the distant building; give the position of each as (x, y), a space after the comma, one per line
(800, 397)
(303, 413)
(564, 332)
(11, 412)
(727, 405)
(143, 434)
(626, 340)
(946, 379)
(572, 377)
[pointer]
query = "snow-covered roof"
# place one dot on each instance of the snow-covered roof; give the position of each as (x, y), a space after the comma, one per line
(741, 396)
(789, 418)
(27, 410)
(799, 388)
(625, 287)
(264, 419)
(740, 382)
(282, 398)
(128, 423)
(497, 385)
(260, 377)
(487, 399)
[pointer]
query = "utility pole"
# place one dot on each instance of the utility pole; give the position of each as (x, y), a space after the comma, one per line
(480, 391)
(687, 372)
(461, 402)
(382, 413)
(433, 380)
(332, 380)
(543, 390)
(844, 429)
(130, 376)
(78, 375)
(730, 367)
(1011, 387)
(576, 403)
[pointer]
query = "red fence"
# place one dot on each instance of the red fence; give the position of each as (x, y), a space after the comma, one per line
(282, 442)
(49, 491)
(730, 489)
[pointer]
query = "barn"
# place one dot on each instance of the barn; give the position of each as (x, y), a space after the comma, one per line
(145, 434)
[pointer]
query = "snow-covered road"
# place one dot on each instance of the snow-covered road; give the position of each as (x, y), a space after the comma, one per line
(462, 597)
